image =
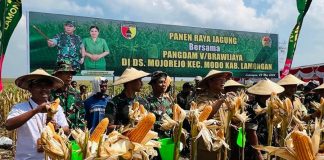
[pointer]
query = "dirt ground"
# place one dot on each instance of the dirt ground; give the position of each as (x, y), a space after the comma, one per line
(6, 153)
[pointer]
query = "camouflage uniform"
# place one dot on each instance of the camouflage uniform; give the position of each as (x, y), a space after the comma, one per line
(258, 122)
(207, 98)
(69, 47)
(117, 109)
(70, 98)
(203, 99)
(159, 106)
(71, 103)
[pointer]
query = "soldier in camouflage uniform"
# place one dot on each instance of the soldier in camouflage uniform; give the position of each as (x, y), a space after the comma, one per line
(68, 45)
(290, 83)
(117, 109)
(256, 127)
(159, 104)
(212, 87)
(70, 98)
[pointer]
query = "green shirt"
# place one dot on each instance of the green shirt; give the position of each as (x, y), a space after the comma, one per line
(95, 47)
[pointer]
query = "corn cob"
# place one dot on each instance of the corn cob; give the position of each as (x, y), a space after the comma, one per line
(303, 146)
(127, 155)
(55, 104)
(176, 112)
(53, 109)
(193, 105)
(220, 134)
(288, 105)
(238, 104)
(57, 137)
(142, 109)
(205, 113)
(135, 106)
(142, 128)
(99, 130)
(51, 126)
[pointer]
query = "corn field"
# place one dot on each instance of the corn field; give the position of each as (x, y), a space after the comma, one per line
(10, 96)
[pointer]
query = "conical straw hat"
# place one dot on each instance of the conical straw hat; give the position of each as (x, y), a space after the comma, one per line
(130, 74)
(290, 80)
(265, 87)
(214, 73)
(321, 87)
(232, 83)
(25, 80)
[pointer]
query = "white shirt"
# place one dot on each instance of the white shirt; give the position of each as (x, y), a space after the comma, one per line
(28, 133)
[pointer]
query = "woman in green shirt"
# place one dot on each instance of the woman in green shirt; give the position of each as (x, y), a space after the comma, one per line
(94, 51)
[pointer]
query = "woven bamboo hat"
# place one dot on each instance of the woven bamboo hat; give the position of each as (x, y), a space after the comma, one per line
(265, 87)
(321, 87)
(232, 83)
(25, 80)
(290, 80)
(130, 74)
(212, 74)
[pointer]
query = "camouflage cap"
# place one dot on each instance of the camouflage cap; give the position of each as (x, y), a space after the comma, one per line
(64, 66)
(157, 75)
(72, 23)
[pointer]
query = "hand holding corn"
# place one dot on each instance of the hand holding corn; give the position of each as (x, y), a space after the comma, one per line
(42, 108)
(53, 109)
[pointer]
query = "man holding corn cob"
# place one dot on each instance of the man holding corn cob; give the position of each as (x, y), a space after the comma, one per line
(70, 98)
(212, 87)
(259, 130)
(290, 83)
(157, 102)
(29, 118)
(117, 109)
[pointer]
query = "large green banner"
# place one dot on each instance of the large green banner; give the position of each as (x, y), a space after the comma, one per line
(10, 14)
(180, 51)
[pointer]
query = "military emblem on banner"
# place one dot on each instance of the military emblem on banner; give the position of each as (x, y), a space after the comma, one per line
(266, 41)
(128, 31)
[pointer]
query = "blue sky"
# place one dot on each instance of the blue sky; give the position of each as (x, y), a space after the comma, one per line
(270, 16)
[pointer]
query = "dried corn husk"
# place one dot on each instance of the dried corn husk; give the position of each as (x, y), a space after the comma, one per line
(291, 152)
(136, 112)
(55, 148)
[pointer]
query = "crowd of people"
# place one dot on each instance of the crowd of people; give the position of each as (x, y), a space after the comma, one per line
(78, 109)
